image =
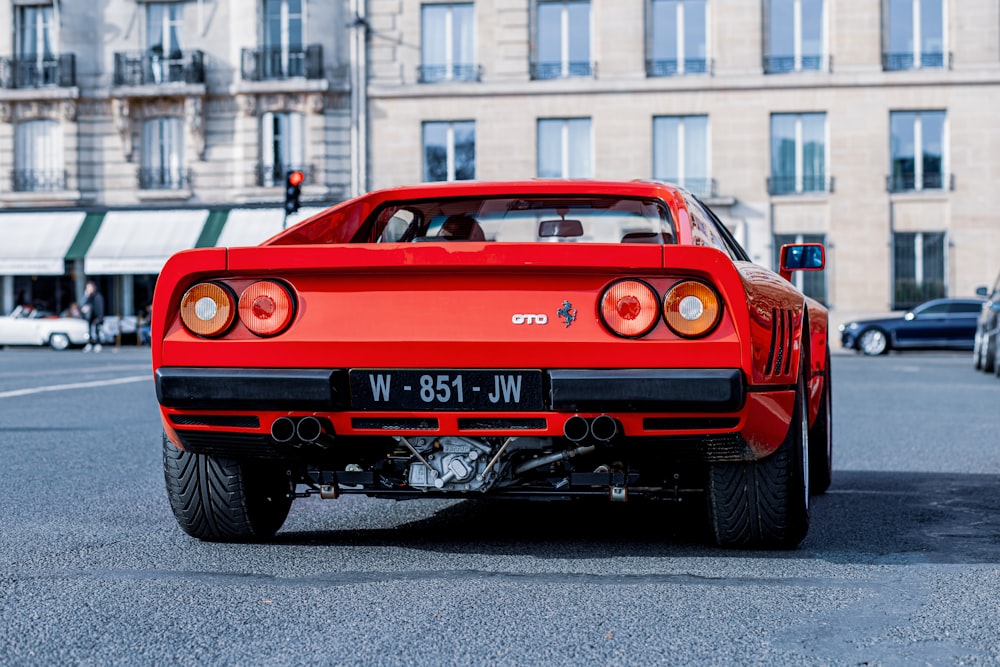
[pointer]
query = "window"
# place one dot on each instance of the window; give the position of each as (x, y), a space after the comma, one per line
(917, 147)
(36, 62)
(282, 146)
(680, 152)
(918, 267)
(564, 148)
(798, 154)
(678, 38)
(163, 155)
(38, 157)
(447, 44)
(283, 54)
(562, 40)
(163, 28)
(449, 151)
(913, 34)
(795, 37)
(810, 283)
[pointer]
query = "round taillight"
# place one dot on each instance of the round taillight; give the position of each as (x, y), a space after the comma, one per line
(207, 309)
(266, 308)
(630, 308)
(691, 309)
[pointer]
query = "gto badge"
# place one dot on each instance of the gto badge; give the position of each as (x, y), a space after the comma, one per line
(529, 318)
(567, 313)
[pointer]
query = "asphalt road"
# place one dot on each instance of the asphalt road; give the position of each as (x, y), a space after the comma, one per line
(901, 567)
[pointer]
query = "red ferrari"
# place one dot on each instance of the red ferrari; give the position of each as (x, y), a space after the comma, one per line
(535, 339)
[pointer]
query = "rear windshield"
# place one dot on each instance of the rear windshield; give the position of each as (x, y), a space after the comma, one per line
(522, 220)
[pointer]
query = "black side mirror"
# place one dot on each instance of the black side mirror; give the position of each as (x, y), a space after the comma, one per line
(801, 257)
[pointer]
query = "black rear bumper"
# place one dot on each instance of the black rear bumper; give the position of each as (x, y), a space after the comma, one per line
(628, 390)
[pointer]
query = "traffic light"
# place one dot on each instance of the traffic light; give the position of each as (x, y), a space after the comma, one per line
(293, 188)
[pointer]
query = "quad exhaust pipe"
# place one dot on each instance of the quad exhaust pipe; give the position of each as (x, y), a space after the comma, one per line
(307, 430)
(601, 428)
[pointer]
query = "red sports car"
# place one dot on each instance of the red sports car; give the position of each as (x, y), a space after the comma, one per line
(542, 339)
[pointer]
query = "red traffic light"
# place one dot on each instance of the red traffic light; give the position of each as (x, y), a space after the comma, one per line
(295, 178)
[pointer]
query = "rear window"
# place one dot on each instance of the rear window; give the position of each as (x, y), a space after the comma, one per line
(522, 220)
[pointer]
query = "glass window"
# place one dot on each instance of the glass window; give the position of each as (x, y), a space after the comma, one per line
(283, 53)
(449, 151)
(36, 64)
(38, 156)
(163, 154)
(913, 34)
(798, 153)
(447, 43)
(562, 40)
(163, 28)
(282, 146)
(564, 148)
(810, 283)
(680, 152)
(795, 36)
(918, 268)
(917, 141)
(678, 39)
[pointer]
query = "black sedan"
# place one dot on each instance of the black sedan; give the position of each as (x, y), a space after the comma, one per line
(986, 354)
(948, 324)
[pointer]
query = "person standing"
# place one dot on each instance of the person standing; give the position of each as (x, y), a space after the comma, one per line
(93, 311)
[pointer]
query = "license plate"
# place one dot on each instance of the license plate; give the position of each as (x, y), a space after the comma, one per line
(406, 389)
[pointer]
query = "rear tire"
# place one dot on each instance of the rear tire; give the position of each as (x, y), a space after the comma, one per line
(58, 341)
(764, 504)
(225, 500)
(821, 440)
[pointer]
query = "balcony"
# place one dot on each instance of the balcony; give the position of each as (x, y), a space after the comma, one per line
(33, 72)
(164, 178)
(895, 62)
(275, 63)
(38, 180)
(673, 67)
(152, 69)
(560, 70)
(801, 185)
(444, 73)
(908, 181)
(274, 175)
(787, 64)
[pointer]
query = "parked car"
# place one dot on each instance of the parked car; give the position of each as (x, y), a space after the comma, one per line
(936, 324)
(536, 339)
(986, 352)
(30, 326)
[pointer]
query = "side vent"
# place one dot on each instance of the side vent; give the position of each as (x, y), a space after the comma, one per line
(779, 356)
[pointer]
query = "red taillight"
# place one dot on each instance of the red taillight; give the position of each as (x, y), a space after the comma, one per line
(630, 308)
(266, 308)
(691, 309)
(207, 309)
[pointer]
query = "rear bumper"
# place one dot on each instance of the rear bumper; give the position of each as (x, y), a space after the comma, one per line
(630, 390)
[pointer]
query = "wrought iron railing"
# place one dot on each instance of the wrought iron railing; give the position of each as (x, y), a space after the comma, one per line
(786, 64)
(441, 73)
(275, 63)
(164, 178)
(560, 70)
(892, 62)
(673, 67)
(38, 180)
(907, 181)
(701, 187)
(34, 72)
(149, 68)
(792, 185)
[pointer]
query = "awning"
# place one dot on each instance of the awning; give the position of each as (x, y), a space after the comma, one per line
(140, 242)
(252, 226)
(35, 244)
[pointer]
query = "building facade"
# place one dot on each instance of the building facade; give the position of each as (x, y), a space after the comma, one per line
(130, 129)
(865, 124)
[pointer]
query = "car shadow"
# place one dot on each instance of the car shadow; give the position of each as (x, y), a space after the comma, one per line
(865, 518)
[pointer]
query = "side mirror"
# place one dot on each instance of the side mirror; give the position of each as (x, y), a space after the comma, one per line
(801, 257)
(982, 291)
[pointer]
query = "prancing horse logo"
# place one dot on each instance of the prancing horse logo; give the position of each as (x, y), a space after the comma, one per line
(567, 313)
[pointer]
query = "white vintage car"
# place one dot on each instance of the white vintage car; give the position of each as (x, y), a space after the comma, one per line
(29, 326)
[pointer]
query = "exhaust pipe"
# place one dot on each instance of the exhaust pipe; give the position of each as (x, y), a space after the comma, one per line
(604, 428)
(309, 429)
(576, 428)
(283, 429)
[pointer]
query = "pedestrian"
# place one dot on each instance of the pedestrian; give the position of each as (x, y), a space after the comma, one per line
(93, 311)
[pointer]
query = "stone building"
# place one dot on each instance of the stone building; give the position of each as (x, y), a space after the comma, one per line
(130, 129)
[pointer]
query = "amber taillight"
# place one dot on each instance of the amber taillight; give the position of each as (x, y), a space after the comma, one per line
(629, 308)
(208, 309)
(266, 308)
(691, 309)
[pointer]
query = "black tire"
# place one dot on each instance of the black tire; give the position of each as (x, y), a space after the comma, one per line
(764, 504)
(873, 342)
(821, 440)
(59, 341)
(996, 358)
(989, 355)
(225, 500)
(978, 352)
